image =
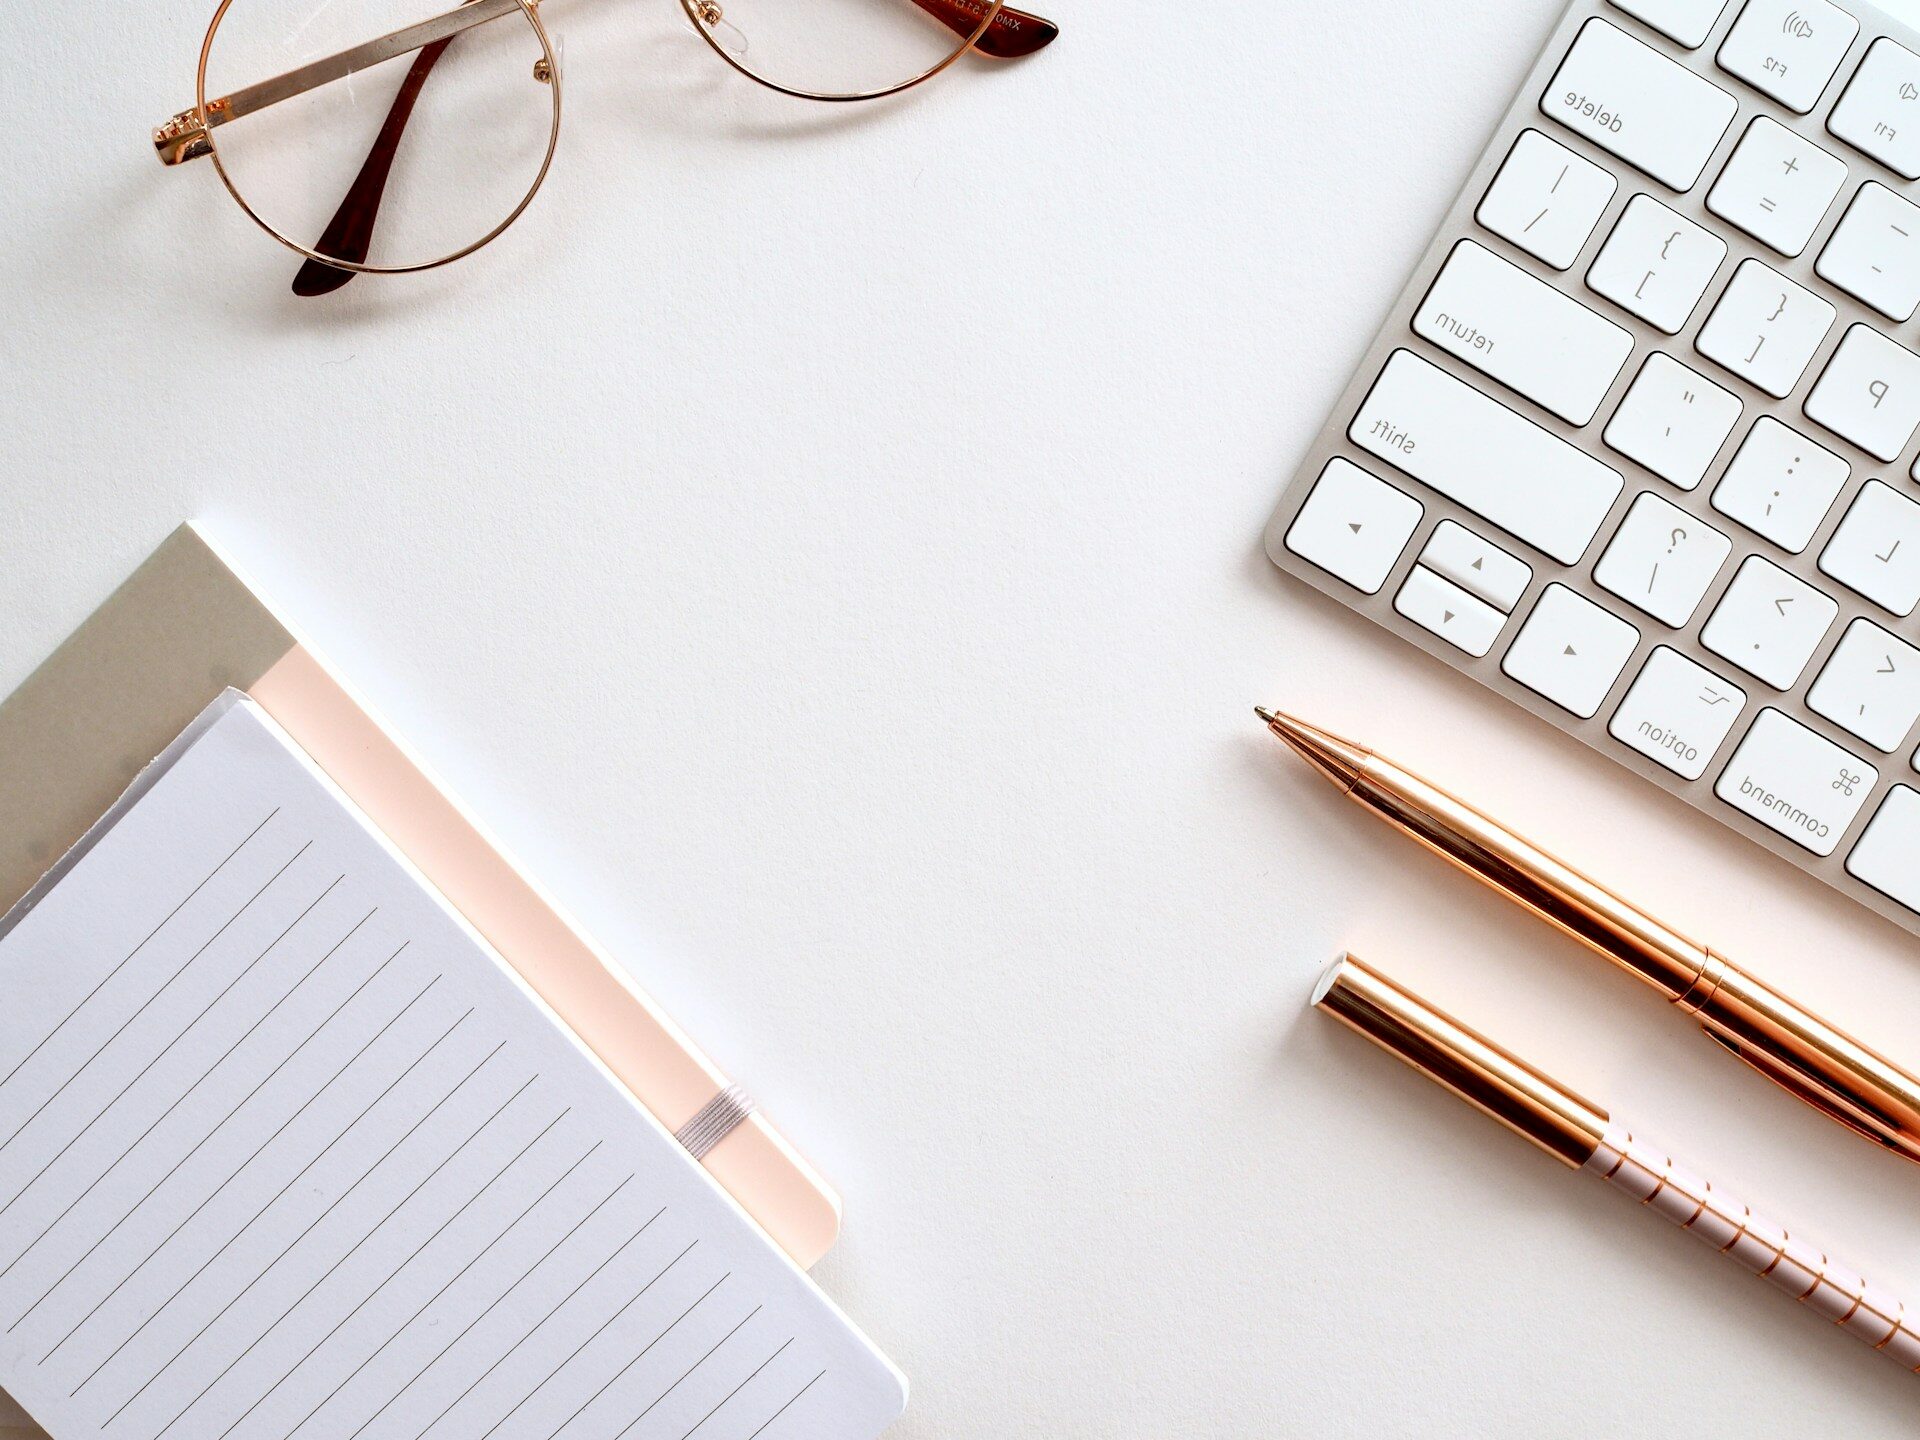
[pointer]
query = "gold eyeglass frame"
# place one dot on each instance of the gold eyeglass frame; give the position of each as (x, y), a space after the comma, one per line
(189, 135)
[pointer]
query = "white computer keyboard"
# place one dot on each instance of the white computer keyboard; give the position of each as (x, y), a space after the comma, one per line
(1636, 445)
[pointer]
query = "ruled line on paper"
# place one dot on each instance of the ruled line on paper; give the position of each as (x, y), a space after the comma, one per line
(312, 1099)
(197, 1147)
(104, 980)
(495, 1302)
(341, 1198)
(687, 1374)
(788, 1406)
(351, 1251)
(193, 1089)
(167, 1049)
(536, 1327)
(428, 1304)
(755, 1375)
(412, 1255)
(333, 1205)
(477, 1258)
(121, 1029)
(672, 1325)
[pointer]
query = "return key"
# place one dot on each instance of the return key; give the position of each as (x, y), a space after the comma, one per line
(1522, 332)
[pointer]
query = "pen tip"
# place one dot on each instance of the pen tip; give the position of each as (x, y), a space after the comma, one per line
(1337, 759)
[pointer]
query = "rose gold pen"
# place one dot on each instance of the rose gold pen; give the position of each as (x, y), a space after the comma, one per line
(1582, 1136)
(1788, 1044)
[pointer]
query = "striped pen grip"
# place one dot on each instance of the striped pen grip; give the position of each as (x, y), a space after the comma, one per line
(1803, 1270)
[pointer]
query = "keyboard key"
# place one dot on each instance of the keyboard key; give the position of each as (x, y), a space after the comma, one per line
(1546, 199)
(1629, 99)
(1887, 856)
(1570, 650)
(1869, 393)
(1662, 560)
(1765, 328)
(1354, 525)
(1875, 115)
(1686, 21)
(1769, 623)
(1780, 484)
(1673, 421)
(1677, 713)
(1435, 603)
(1523, 332)
(1870, 686)
(1788, 49)
(1796, 782)
(1476, 565)
(1507, 469)
(1776, 186)
(1876, 550)
(1656, 264)
(1874, 252)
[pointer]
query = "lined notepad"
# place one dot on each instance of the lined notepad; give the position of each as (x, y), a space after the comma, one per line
(286, 1151)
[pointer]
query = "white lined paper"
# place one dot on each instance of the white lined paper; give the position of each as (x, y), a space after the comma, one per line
(286, 1151)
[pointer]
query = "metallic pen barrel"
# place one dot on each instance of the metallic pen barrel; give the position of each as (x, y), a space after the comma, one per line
(1494, 1082)
(1800, 1052)
(1581, 1135)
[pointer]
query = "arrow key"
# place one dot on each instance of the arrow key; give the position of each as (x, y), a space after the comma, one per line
(1354, 525)
(1870, 687)
(1769, 623)
(1435, 603)
(1476, 565)
(1570, 650)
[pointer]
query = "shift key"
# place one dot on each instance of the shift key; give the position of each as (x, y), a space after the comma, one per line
(1628, 98)
(1500, 465)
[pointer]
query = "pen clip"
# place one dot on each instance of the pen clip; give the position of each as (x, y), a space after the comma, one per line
(1803, 1087)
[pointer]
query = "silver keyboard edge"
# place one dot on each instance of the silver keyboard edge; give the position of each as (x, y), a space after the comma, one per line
(1396, 332)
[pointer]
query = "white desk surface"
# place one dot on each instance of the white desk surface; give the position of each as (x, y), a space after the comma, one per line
(825, 545)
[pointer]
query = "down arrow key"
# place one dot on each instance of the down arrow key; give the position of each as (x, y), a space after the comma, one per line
(1436, 604)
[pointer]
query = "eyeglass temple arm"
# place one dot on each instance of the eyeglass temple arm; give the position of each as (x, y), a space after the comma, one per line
(1012, 34)
(184, 137)
(349, 235)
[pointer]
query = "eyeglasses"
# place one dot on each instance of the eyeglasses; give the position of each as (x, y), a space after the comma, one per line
(332, 115)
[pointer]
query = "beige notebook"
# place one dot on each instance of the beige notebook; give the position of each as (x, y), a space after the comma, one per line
(286, 1149)
(187, 624)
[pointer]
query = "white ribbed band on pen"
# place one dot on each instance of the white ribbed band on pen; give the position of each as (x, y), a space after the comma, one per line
(714, 1121)
(1863, 1309)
